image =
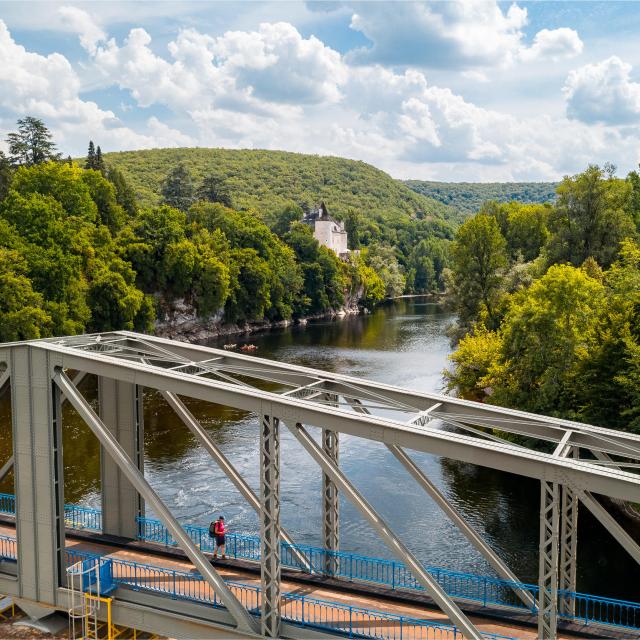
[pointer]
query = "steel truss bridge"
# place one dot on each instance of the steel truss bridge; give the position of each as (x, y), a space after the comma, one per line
(583, 461)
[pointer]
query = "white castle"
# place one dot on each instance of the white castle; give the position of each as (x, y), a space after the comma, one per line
(327, 231)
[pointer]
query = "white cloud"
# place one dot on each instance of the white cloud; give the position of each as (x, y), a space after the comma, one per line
(246, 71)
(273, 88)
(48, 87)
(80, 22)
(463, 34)
(554, 44)
(603, 92)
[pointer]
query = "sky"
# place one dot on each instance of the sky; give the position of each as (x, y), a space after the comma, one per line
(457, 91)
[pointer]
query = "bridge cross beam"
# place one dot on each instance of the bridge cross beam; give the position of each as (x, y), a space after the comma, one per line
(270, 619)
(330, 500)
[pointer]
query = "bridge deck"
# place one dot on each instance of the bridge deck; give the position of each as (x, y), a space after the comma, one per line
(322, 592)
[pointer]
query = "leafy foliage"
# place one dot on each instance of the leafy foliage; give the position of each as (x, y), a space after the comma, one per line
(564, 335)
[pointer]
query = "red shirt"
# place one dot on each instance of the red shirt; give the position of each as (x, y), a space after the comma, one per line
(219, 528)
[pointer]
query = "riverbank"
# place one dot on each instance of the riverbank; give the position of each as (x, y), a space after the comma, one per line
(183, 324)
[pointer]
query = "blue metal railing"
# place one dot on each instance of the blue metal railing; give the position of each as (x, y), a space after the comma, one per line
(354, 622)
(75, 517)
(484, 590)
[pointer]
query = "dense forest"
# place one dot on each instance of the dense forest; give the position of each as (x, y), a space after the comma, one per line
(81, 251)
(548, 297)
(466, 198)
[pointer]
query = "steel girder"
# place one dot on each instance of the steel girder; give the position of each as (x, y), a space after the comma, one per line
(270, 619)
(166, 370)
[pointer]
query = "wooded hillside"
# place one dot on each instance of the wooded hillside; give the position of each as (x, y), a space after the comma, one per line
(466, 198)
(269, 179)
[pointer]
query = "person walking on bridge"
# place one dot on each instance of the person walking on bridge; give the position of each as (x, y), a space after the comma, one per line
(217, 531)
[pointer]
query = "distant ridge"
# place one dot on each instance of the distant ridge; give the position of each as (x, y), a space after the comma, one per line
(265, 180)
(468, 197)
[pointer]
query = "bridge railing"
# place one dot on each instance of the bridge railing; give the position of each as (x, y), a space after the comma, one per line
(75, 516)
(354, 622)
(484, 590)
(8, 548)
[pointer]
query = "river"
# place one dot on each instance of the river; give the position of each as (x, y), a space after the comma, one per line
(403, 344)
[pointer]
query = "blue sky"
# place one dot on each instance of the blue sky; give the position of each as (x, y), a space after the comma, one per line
(475, 91)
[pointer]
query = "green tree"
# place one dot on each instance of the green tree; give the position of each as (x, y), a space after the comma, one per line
(608, 376)
(90, 162)
(479, 259)
(125, 196)
(214, 189)
(352, 225)
(22, 316)
(114, 303)
(32, 144)
(548, 329)
(100, 165)
(177, 189)
(634, 180)
(382, 259)
(5, 175)
(591, 218)
(280, 220)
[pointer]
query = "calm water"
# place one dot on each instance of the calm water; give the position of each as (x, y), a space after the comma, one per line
(404, 344)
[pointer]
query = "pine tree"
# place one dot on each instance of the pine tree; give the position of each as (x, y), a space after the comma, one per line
(100, 165)
(125, 196)
(177, 188)
(32, 143)
(91, 157)
(213, 189)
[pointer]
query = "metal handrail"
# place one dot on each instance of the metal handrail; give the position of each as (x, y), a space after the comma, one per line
(349, 620)
(486, 590)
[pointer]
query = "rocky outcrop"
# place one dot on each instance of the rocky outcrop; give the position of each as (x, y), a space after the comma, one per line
(179, 320)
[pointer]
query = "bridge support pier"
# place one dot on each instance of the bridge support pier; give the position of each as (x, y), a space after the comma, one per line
(121, 410)
(330, 504)
(549, 560)
(39, 484)
(270, 619)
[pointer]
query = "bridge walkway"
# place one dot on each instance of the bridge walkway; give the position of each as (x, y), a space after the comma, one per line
(233, 571)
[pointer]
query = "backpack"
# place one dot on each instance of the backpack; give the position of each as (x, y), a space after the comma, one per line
(212, 529)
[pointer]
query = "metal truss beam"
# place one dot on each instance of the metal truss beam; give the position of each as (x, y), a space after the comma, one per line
(544, 427)
(6, 467)
(242, 617)
(330, 498)
(568, 551)
(270, 525)
(397, 547)
(465, 448)
(548, 569)
(474, 538)
(230, 471)
(330, 503)
(440, 499)
(609, 523)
